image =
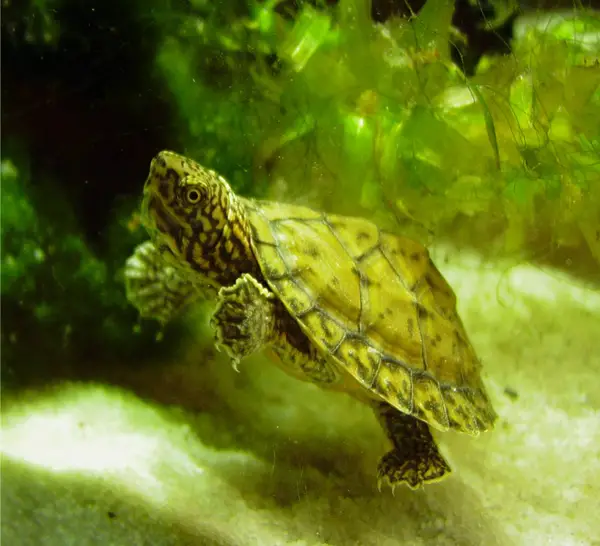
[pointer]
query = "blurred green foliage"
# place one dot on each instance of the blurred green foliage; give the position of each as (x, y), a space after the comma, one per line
(31, 21)
(59, 300)
(333, 110)
(321, 106)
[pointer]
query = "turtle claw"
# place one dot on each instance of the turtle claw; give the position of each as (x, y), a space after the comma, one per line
(243, 320)
(381, 480)
(235, 360)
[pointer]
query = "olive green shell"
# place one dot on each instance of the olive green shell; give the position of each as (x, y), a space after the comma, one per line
(377, 305)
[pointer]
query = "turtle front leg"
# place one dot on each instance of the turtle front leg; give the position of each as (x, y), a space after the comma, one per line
(244, 319)
(415, 459)
(248, 318)
(155, 288)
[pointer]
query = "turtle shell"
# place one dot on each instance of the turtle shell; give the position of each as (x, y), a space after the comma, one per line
(377, 305)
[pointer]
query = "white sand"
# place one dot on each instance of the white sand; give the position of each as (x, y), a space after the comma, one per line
(303, 469)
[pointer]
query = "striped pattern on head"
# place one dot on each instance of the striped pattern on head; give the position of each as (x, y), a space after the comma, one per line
(194, 212)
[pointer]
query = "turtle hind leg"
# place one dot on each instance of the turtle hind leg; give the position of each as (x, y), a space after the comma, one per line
(415, 459)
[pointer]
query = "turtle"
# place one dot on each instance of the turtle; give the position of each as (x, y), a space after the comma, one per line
(336, 300)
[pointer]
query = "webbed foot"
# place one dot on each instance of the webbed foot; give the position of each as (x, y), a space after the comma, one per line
(154, 287)
(244, 319)
(415, 459)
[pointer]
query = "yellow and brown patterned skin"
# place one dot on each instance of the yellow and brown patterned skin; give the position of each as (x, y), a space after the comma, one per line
(193, 212)
(341, 302)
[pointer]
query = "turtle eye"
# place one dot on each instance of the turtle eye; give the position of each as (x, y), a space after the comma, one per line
(192, 195)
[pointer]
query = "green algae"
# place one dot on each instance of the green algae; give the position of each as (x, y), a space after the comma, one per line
(60, 300)
(383, 118)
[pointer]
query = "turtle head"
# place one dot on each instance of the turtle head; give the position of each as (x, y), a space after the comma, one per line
(194, 213)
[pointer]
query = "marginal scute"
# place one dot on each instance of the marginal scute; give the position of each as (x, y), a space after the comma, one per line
(445, 300)
(430, 402)
(441, 351)
(297, 298)
(327, 329)
(409, 258)
(462, 416)
(393, 381)
(358, 358)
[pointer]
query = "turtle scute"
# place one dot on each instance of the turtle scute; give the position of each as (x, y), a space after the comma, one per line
(377, 305)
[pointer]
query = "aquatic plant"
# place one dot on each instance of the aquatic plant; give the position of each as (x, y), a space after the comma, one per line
(60, 301)
(330, 107)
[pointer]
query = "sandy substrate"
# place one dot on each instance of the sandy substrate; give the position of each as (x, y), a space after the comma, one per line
(267, 460)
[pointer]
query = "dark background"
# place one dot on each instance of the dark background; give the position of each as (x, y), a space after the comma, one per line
(89, 110)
